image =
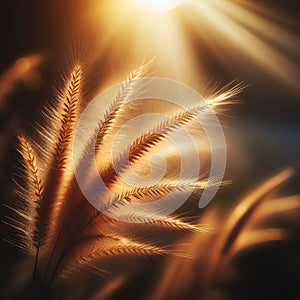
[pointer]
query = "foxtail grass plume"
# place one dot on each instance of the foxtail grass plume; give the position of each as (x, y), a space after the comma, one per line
(51, 218)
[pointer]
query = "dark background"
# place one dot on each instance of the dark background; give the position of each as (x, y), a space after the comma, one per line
(263, 129)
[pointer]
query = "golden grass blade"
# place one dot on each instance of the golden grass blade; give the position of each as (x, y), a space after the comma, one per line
(248, 240)
(238, 219)
(276, 208)
(241, 214)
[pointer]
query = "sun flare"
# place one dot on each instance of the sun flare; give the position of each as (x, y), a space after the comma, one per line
(160, 5)
(180, 33)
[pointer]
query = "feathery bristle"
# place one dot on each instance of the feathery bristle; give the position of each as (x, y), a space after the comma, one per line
(225, 95)
(145, 142)
(69, 116)
(95, 248)
(35, 191)
(59, 171)
(66, 231)
(160, 189)
(116, 105)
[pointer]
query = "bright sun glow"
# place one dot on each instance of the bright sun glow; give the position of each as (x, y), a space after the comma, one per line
(240, 35)
(160, 5)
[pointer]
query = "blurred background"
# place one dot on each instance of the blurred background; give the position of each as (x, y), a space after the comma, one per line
(206, 44)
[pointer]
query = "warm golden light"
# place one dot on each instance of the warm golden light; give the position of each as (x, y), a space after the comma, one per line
(241, 35)
(160, 5)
